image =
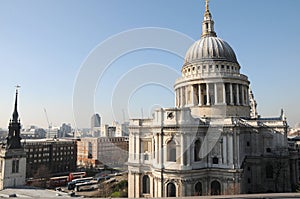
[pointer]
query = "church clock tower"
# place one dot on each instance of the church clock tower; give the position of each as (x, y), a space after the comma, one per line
(12, 154)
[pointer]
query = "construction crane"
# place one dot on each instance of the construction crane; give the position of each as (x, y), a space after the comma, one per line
(49, 124)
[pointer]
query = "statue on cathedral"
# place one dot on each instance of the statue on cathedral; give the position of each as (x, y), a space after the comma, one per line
(253, 105)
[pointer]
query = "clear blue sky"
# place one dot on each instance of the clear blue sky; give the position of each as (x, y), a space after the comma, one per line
(44, 43)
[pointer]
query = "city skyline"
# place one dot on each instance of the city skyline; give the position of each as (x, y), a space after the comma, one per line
(44, 45)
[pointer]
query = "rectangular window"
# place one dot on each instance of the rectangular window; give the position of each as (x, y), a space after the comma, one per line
(15, 166)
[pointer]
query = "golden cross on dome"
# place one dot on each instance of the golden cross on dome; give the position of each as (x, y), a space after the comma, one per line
(207, 5)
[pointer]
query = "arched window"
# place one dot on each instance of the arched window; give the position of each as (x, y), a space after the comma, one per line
(215, 160)
(90, 150)
(171, 147)
(269, 171)
(197, 146)
(146, 184)
(171, 190)
(198, 189)
(215, 188)
(146, 156)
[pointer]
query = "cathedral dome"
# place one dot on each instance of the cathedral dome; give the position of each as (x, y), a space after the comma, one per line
(210, 48)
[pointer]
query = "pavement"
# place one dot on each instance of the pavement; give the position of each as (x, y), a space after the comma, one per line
(31, 192)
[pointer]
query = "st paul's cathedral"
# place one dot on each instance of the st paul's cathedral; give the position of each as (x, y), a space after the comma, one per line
(213, 142)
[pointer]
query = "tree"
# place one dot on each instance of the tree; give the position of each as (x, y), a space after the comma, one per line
(42, 174)
(280, 166)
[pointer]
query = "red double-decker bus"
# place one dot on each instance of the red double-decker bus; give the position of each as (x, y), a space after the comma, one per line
(58, 181)
(75, 175)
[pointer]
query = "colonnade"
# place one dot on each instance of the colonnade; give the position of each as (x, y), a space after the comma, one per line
(208, 94)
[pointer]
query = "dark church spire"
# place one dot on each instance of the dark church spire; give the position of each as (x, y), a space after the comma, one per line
(16, 114)
(14, 128)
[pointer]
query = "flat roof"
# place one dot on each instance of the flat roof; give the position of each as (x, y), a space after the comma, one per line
(30, 192)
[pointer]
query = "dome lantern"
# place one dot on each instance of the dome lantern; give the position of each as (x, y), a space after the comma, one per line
(208, 23)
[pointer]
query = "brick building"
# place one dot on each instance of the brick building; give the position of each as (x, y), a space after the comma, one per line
(55, 156)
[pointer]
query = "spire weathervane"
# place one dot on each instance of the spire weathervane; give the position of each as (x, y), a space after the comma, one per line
(18, 86)
(207, 5)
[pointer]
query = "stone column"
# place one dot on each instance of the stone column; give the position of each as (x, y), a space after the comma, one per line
(216, 93)
(231, 94)
(225, 149)
(230, 150)
(192, 152)
(131, 184)
(192, 95)
(141, 156)
(183, 189)
(243, 95)
(134, 147)
(156, 149)
(130, 148)
(224, 93)
(199, 95)
(138, 183)
(207, 94)
(247, 97)
(237, 95)
(135, 185)
(151, 186)
(186, 96)
(177, 98)
(188, 150)
(181, 97)
(235, 148)
(182, 145)
(161, 149)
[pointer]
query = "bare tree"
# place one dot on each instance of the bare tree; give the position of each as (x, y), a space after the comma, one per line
(280, 166)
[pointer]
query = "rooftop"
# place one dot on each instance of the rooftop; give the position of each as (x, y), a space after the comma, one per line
(29, 192)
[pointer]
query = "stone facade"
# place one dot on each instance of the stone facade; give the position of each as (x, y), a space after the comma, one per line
(236, 155)
(213, 142)
(13, 169)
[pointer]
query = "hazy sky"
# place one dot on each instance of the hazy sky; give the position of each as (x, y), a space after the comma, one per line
(45, 44)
